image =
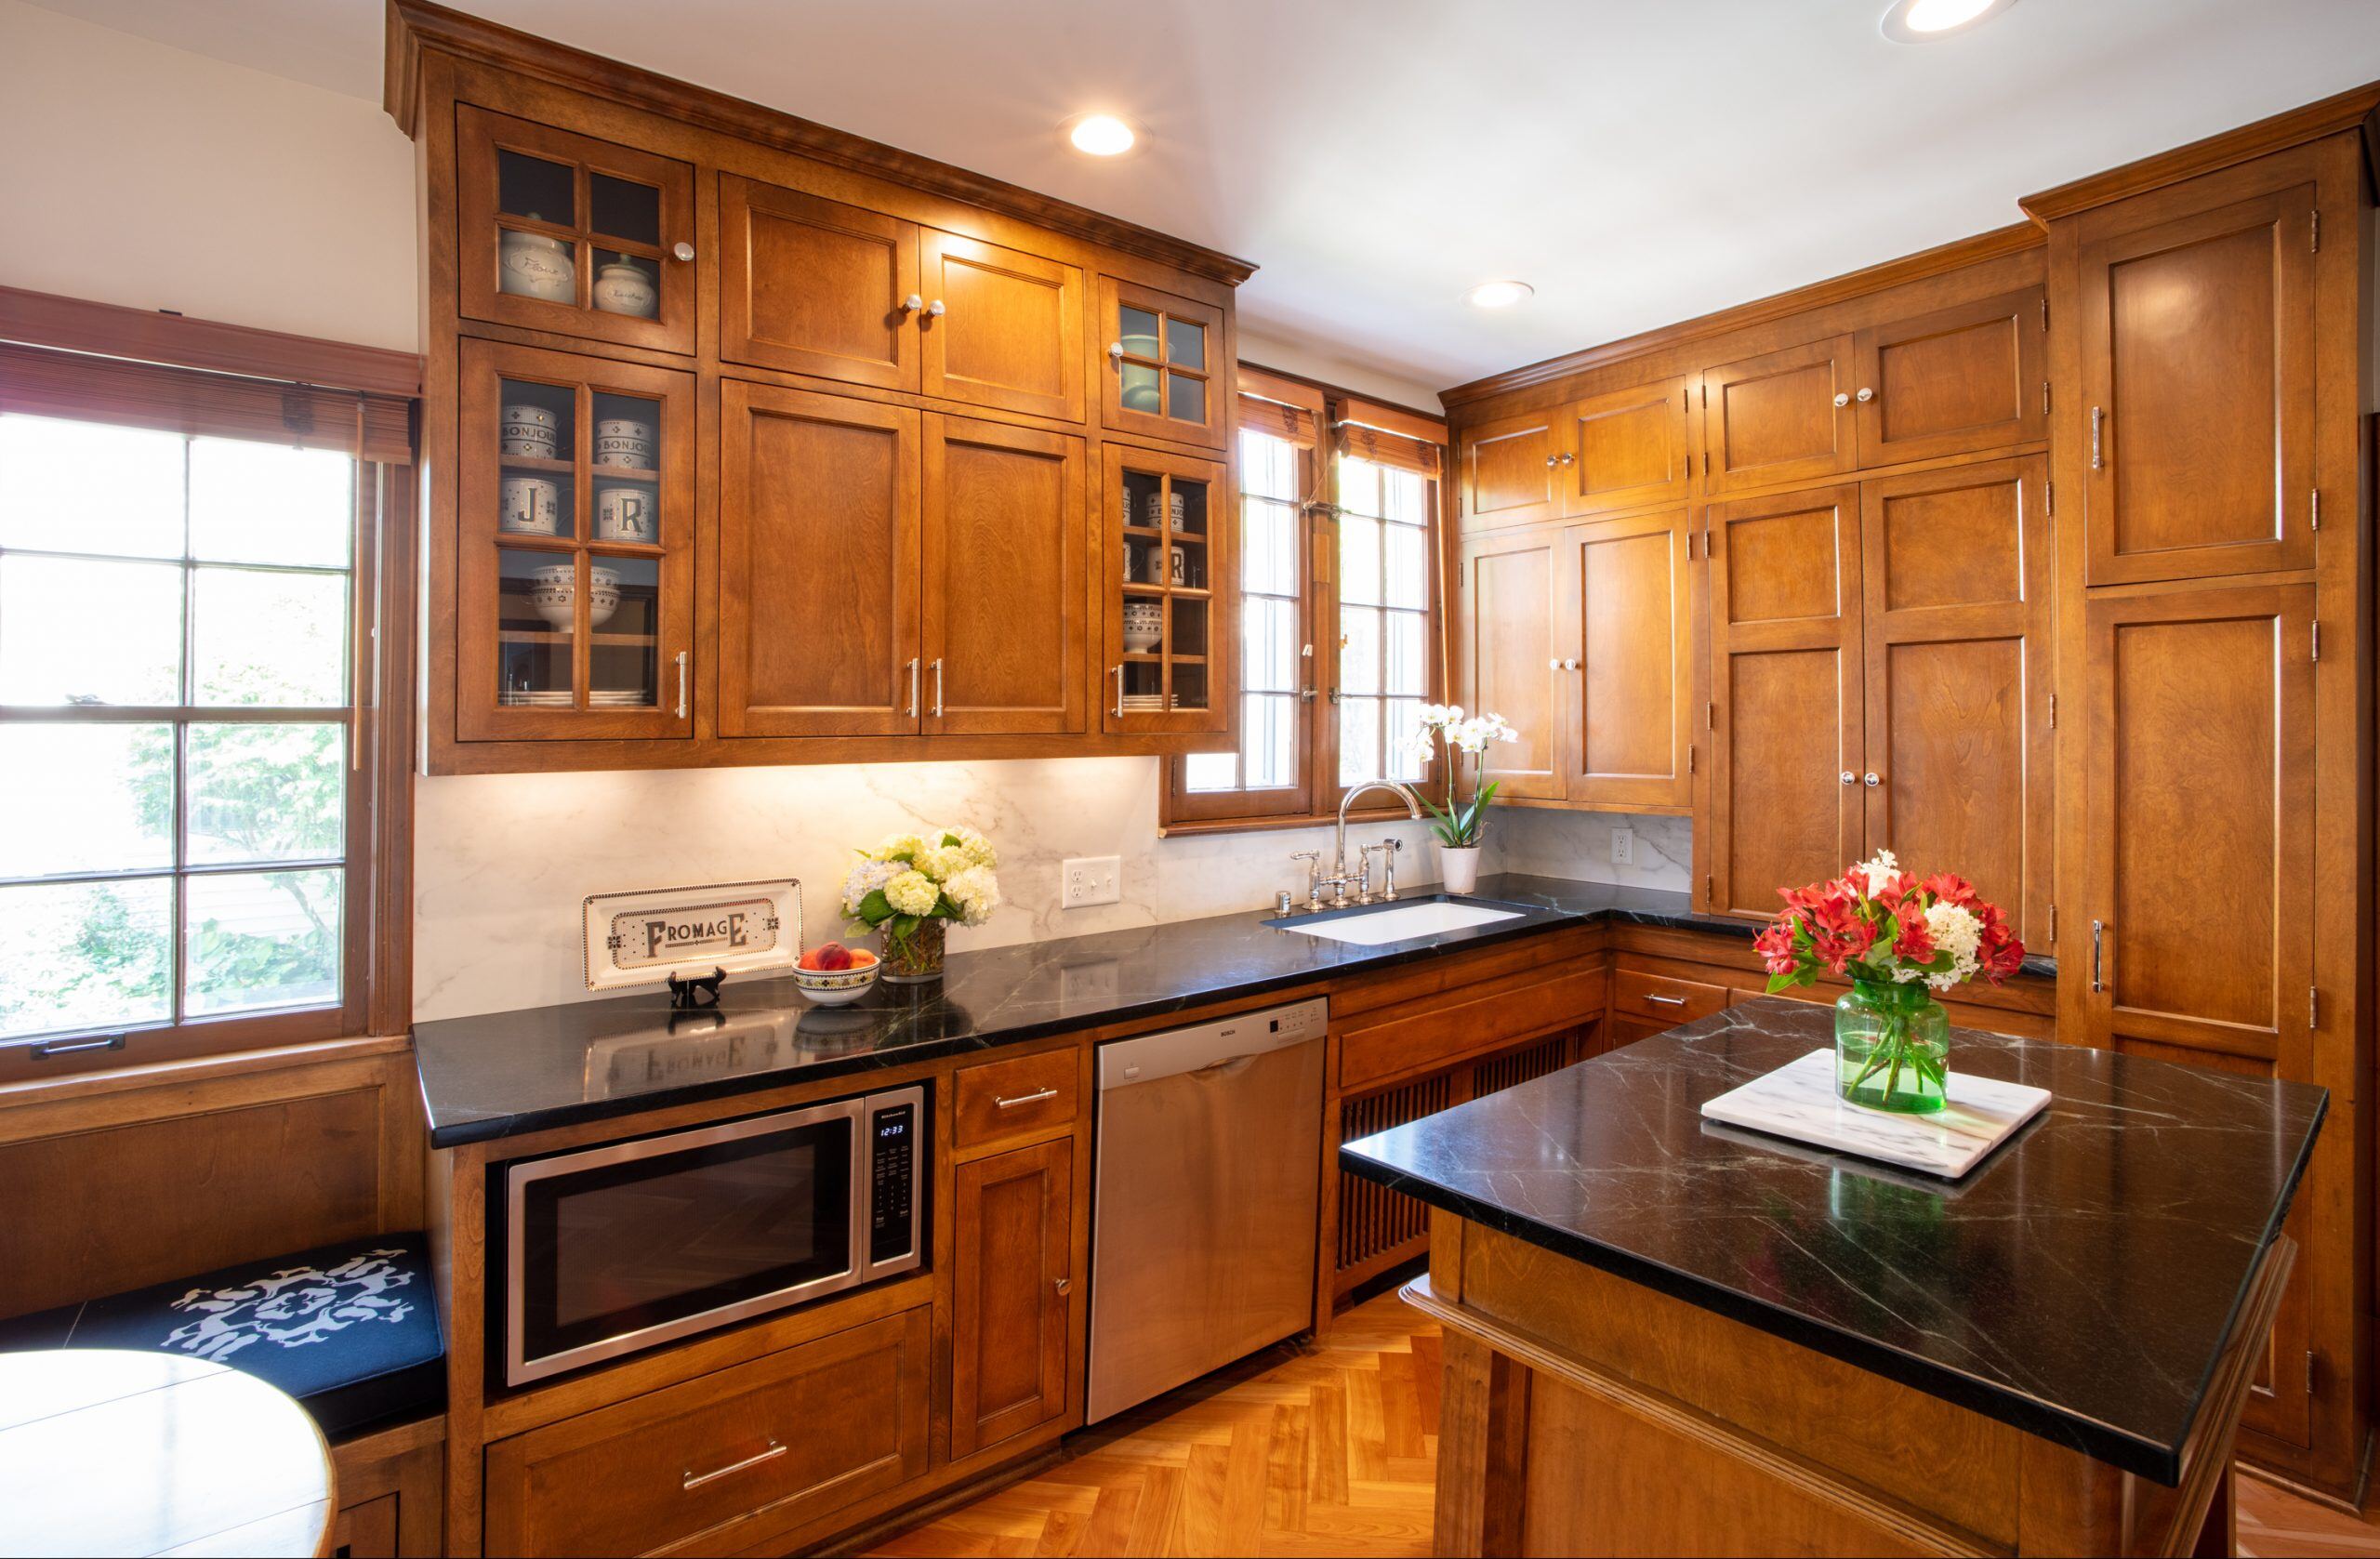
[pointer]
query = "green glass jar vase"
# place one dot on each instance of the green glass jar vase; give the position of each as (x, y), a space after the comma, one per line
(1892, 1047)
(916, 958)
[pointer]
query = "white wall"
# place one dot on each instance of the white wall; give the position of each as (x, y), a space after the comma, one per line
(146, 176)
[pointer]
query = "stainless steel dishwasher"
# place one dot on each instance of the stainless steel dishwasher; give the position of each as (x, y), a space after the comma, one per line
(1209, 1165)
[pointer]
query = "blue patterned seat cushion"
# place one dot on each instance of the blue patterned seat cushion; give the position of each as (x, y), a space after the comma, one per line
(348, 1329)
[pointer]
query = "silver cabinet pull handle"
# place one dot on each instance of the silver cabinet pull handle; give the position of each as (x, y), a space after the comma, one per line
(1666, 1001)
(1035, 1097)
(2097, 955)
(684, 250)
(1117, 672)
(683, 657)
(937, 687)
(693, 1480)
(1842, 398)
(913, 687)
(2097, 416)
(1865, 395)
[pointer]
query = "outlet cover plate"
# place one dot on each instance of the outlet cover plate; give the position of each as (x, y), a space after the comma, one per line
(1624, 847)
(1085, 881)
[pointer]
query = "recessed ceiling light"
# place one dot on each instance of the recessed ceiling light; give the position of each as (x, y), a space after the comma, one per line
(1499, 295)
(1101, 135)
(1922, 22)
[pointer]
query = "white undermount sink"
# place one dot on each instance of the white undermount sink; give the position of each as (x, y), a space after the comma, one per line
(1400, 923)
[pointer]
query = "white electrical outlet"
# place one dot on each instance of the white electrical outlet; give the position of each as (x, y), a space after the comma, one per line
(1624, 847)
(1090, 879)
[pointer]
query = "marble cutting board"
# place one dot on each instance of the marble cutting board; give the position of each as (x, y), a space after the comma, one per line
(1798, 1100)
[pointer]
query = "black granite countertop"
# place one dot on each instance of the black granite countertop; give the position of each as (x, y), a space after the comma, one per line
(2078, 1284)
(507, 1073)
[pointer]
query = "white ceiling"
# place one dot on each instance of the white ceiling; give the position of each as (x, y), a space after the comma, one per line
(1638, 161)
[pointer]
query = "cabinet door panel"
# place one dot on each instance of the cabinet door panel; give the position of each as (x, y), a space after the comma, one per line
(814, 286)
(1787, 695)
(1956, 586)
(1005, 611)
(1010, 1311)
(1161, 354)
(1954, 381)
(2196, 338)
(1172, 564)
(1508, 471)
(1782, 416)
(1010, 333)
(1625, 449)
(819, 612)
(1508, 652)
(1624, 616)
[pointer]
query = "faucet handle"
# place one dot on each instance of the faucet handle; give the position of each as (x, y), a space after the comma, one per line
(1313, 859)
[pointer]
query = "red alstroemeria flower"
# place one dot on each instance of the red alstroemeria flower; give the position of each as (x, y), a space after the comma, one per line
(1775, 946)
(1915, 944)
(1950, 888)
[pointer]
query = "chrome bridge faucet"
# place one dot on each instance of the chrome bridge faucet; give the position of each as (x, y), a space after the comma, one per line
(1340, 880)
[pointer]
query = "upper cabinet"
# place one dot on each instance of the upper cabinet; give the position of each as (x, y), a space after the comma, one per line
(1626, 449)
(581, 237)
(999, 328)
(1779, 417)
(1507, 470)
(1954, 381)
(1161, 377)
(2196, 328)
(1171, 594)
(815, 287)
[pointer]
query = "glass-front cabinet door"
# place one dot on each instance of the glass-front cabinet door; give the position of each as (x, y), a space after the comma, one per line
(563, 232)
(1169, 565)
(1163, 354)
(575, 554)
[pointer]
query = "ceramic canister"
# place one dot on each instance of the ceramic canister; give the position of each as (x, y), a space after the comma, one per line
(625, 442)
(624, 287)
(1160, 511)
(529, 506)
(626, 513)
(534, 265)
(532, 431)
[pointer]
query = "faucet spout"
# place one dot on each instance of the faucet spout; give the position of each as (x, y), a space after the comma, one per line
(1412, 809)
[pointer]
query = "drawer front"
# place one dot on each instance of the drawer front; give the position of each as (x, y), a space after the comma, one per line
(1009, 1098)
(1462, 1022)
(1640, 995)
(801, 1433)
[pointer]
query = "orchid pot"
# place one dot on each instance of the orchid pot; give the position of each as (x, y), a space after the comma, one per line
(1460, 826)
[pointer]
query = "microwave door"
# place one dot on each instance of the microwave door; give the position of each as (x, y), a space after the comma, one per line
(616, 1249)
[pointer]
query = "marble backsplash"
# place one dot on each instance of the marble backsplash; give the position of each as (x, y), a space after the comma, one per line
(502, 863)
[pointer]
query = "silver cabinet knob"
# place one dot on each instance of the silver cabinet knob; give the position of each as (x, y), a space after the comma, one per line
(1873, 780)
(1866, 394)
(1570, 664)
(1841, 399)
(684, 251)
(1116, 350)
(1549, 462)
(1554, 665)
(1566, 457)
(935, 310)
(1850, 778)
(912, 303)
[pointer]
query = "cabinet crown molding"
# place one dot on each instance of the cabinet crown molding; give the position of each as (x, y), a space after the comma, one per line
(415, 26)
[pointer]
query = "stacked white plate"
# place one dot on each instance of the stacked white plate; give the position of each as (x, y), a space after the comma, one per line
(617, 698)
(1138, 702)
(537, 699)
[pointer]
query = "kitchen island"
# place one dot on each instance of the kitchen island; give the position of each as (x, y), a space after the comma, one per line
(1668, 1335)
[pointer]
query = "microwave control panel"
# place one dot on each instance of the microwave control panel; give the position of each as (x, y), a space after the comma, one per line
(894, 1122)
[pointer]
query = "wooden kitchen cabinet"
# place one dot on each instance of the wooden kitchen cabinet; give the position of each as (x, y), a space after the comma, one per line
(821, 602)
(1507, 471)
(811, 285)
(1626, 449)
(1782, 417)
(567, 234)
(1508, 652)
(1163, 374)
(1788, 694)
(1001, 328)
(1626, 643)
(2196, 335)
(1953, 381)
(1169, 594)
(574, 571)
(1011, 1299)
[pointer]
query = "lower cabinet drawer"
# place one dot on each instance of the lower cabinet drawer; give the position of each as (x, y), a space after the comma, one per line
(1673, 1002)
(799, 1433)
(1024, 1094)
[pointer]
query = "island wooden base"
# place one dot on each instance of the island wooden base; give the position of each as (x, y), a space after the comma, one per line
(1584, 1414)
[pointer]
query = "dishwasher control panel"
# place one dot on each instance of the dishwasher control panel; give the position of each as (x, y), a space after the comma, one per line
(1151, 1056)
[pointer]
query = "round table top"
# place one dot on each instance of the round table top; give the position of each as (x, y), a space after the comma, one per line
(104, 1451)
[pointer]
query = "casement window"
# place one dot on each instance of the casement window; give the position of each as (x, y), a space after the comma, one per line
(187, 666)
(1340, 627)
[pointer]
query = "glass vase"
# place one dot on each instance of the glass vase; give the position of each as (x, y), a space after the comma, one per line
(1892, 1047)
(917, 957)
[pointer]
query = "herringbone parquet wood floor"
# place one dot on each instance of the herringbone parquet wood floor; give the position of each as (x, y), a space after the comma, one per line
(1329, 1449)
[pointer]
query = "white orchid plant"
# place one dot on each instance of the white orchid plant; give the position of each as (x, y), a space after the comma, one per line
(910, 878)
(1459, 824)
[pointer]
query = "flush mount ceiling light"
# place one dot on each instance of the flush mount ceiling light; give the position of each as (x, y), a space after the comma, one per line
(1922, 22)
(1499, 295)
(1101, 135)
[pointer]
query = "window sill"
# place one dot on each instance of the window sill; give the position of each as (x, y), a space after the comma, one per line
(1190, 827)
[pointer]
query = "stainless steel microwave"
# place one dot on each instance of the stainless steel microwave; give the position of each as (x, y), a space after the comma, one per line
(613, 1249)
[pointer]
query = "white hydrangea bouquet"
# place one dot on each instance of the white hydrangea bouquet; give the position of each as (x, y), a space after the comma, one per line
(912, 886)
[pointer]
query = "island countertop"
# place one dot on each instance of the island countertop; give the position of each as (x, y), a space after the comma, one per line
(2080, 1283)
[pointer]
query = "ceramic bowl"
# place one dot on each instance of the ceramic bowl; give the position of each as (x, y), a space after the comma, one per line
(555, 605)
(833, 987)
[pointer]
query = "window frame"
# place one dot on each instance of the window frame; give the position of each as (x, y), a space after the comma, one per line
(1316, 798)
(372, 426)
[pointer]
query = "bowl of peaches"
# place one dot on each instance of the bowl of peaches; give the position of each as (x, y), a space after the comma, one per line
(831, 974)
